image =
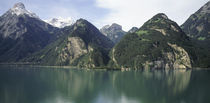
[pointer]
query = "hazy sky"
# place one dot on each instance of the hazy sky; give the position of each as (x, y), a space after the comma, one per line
(127, 13)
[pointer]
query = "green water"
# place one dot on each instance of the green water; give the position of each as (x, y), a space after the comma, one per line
(47, 85)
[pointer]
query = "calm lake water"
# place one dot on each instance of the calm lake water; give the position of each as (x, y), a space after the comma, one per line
(46, 85)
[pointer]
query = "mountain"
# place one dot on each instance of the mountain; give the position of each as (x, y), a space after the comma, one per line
(159, 44)
(19, 9)
(22, 33)
(60, 22)
(198, 24)
(113, 32)
(82, 45)
(133, 30)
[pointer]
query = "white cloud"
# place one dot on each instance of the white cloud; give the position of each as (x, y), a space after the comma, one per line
(51, 11)
(131, 13)
(59, 11)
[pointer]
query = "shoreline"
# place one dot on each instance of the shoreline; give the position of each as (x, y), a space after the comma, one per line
(83, 68)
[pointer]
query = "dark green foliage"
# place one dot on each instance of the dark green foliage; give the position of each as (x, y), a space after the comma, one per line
(90, 34)
(202, 53)
(197, 27)
(91, 37)
(148, 44)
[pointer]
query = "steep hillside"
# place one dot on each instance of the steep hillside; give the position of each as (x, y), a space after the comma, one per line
(158, 44)
(22, 33)
(82, 45)
(198, 24)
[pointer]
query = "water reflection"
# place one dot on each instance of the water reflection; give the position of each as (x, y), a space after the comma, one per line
(41, 85)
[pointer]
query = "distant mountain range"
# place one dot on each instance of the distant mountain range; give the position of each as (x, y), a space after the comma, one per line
(159, 44)
(60, 22)
(113, 32)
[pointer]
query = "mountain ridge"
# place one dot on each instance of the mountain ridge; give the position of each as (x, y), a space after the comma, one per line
(198, 24)
(60, 22)
(22, 34)
(159, 43)
(197, 28)
(83, 45)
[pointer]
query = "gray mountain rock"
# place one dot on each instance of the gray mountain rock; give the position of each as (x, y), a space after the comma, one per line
(198, 24)
(22, 33)
(113, 32)
(133, 30)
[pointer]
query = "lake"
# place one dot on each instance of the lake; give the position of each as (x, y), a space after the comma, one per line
(25, 84)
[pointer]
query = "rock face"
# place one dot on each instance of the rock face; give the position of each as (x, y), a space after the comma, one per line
(158, 44)
(178, 59)
(74, 48)
(22, 33)
(133, 30)
(198, 24)
(113, 32)
(82, 45)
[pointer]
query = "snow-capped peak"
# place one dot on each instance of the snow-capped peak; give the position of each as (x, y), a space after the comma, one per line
(19, 9)
(19, 5)
(106, 27)
(60, 22)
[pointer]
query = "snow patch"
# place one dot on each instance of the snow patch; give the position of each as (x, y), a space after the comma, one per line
(60, 22)
(19, 9)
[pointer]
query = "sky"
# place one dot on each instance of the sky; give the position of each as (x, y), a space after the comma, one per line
(128, 13)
